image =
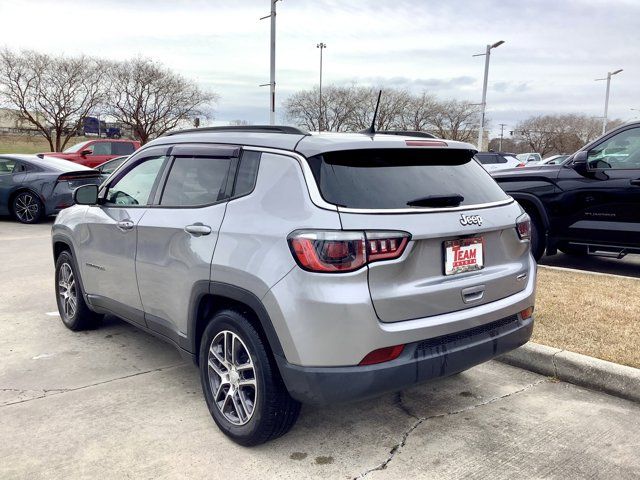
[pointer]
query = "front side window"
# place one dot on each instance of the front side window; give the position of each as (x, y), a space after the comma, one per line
(6, 166)
(134, 188)
(622, 151)
(195, 181)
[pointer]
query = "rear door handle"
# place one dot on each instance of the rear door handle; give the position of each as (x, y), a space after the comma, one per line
(125, 225)
(635, 182)
(198, 229)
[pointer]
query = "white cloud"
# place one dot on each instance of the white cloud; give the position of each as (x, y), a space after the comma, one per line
(553, 50)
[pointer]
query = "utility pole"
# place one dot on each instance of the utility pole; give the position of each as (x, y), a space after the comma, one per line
(483, 105)
(272, 82)
(502, 125)
(321, 46)
(606, 98)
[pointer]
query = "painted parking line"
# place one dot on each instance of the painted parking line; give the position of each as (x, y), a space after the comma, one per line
(53, 314)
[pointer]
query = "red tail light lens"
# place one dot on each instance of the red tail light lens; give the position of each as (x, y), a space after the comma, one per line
(382, 355)
(523, 226)
(526, 313)
(385, 245)
(344, 251)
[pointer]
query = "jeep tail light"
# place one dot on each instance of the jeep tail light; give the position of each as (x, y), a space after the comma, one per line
(337, 251)
(381, 355)
(523, 226)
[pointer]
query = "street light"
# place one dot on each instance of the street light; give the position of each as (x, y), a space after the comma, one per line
(487, 55)
(606, 98)
(321, 46)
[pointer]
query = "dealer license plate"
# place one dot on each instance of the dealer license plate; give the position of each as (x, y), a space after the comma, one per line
(463, 255)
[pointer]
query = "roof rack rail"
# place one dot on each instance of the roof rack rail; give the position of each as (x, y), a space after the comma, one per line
(244, 128)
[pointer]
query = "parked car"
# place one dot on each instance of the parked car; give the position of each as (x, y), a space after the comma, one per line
(492, 161)
(589, 204)
(552, 160)
(32, 187)
(529, 157)
(108, 167)
(301, 268)
(95, 152)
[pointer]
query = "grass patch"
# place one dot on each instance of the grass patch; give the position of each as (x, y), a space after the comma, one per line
(595, 315)
(29, 143)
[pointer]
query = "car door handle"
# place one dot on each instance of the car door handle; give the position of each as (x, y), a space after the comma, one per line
(198, 229)
(635, 182)
(125, 225)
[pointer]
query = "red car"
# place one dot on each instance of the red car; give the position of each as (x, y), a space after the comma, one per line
(95, 152)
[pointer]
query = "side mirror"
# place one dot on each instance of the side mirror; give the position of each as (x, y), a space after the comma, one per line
(86, 195)
(580, 158)
(84, 153)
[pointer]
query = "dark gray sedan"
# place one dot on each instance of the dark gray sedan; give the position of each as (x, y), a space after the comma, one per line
(32, 187)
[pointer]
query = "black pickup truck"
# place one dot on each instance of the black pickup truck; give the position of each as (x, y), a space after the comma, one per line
(590, 203)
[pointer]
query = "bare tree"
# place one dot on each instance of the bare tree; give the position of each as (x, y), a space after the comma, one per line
(456, 120)
(151, 99)
(338, 103)
(555, 134)
(419, 114)
(53, 94)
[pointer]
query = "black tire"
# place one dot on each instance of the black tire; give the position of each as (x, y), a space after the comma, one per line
(27, 207)
(274, 411)
(74, 312)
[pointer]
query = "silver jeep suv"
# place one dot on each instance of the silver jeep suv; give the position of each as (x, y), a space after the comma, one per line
(295, 267)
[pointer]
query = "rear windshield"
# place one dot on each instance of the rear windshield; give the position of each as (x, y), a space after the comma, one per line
(394, 178)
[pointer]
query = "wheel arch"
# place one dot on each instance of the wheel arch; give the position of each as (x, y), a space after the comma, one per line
(62, 243)
(216, 296)
(534, 203)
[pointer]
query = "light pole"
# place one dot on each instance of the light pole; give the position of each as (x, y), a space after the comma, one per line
(606, 98)
(272, 65)
(487, 55)
(502, 125)
(321, 46)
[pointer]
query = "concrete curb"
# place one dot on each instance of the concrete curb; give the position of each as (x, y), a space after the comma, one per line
(582, 370)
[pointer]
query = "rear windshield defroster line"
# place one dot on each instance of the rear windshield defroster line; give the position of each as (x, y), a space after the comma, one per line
(393, 178)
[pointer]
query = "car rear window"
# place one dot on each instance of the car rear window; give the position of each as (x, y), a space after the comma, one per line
(392, 178)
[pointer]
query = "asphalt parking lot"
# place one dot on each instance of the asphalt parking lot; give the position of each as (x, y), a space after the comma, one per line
(117, 403)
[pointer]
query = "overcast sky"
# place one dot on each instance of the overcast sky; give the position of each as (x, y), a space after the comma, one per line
(553, 52)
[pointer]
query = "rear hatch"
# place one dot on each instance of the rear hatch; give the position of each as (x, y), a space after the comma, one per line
(464, 250)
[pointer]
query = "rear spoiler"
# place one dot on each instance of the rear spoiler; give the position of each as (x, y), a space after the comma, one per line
(65, 177)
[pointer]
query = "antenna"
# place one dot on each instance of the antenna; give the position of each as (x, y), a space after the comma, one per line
(372, 129)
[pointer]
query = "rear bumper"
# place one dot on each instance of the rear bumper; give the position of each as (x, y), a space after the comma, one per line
(419, 362)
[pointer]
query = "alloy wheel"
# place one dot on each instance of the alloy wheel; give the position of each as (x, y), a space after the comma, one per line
(26, 207)
(232, 377)
(67, 290)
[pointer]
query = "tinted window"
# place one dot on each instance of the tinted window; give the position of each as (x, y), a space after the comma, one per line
(108, 167)
(135, 186)
(196, 181)
(6, 166)
(102, 148)
(122, 148)
(393, 178)
(622, 151)
(247, 174)
(486, 158)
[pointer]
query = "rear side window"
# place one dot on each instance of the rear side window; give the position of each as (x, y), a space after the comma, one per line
(6, 166)
(486, 159)
(196, 181)
(122, 148)
(247, 173)
(394, 178)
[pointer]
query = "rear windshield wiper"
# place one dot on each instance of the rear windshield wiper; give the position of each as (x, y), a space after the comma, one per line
(452, 200)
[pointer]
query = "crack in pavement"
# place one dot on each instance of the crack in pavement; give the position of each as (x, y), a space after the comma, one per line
(403, 439)
(56, 391)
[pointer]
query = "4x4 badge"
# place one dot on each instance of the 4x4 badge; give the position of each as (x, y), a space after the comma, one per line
(470, 220)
